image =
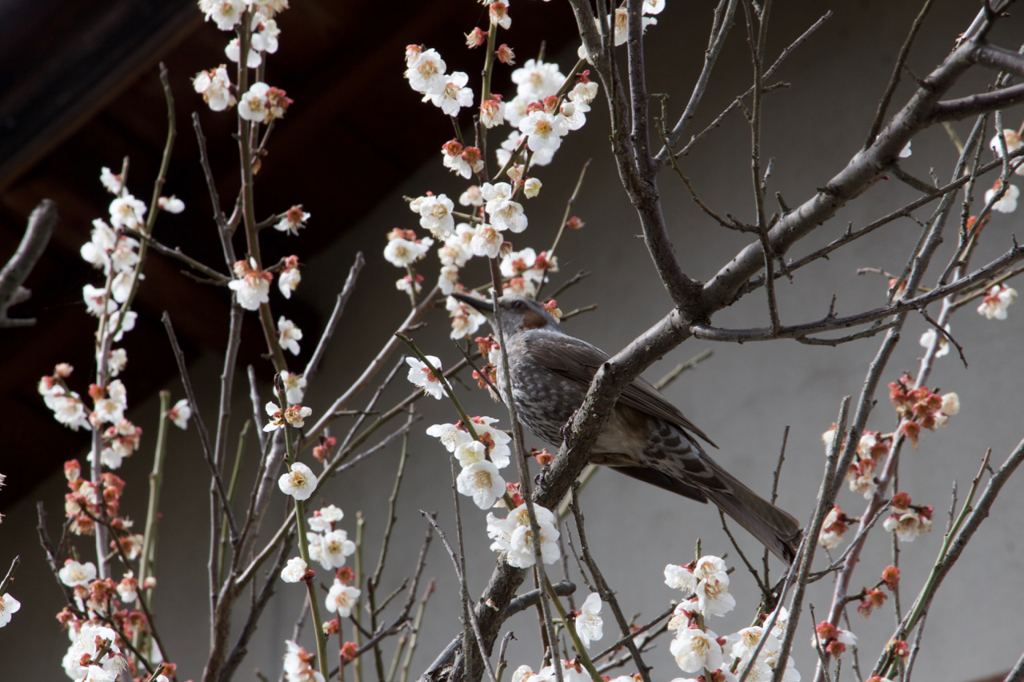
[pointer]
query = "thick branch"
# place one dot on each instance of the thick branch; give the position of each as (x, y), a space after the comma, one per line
(40, 226)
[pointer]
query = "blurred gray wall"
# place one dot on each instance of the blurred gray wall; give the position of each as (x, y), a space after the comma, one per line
(743, 396)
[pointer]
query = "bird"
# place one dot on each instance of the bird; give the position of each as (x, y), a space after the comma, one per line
(646, 436)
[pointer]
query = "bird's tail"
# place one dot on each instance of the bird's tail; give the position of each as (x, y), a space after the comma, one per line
(774, 528)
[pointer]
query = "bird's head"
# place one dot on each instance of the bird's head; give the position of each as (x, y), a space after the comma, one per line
(513, 313)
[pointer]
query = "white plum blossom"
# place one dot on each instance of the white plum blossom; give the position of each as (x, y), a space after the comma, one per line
(950, 404)
(514, 537)
(621, 23)
(289, 281)
(544, 131)
(294, 386)
(928, 339)
(470, 452)
(252, 57)
(653, 6)
(421, 376)
(299, 482)
(589, 625)
(466, 320)
(498, 12)
(680, 578)
(1013, 143)
(505, 213)
(482, 482)
(289, 335)
(171, 204)
(492, 113)
(74, 574)
(436, 216)
(342, 598)
(69, 411)
(115, 323)
(121, 285)
(713, 598)
(322, 521)
(215, 87)
(334, 547)
(294, 218)
(110, 181)
(252, 286)
(486, 241)
(117, 361)
(8, 607)
(426, 73)
(695, 650)
(907, 525)
(454, 95)
(402, 252)
(531, 187)
(471, 197)
(1008, 202)
(224, 13)
(494, 439)
(83, 661)
(536, 80)
(996, 301)
(448, 279)
(298, 665)
(126, 211)
(180, 413)
(254, 103)
(294, 571)
(450, 435)
(265, 38)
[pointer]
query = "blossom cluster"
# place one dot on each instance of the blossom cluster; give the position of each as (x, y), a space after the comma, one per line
(835, 524)
(907, 520)
(697, 648)
(920, 407)
(872, 448)
(481, 458)
(513, 536)
(298, 665)
(996, 301)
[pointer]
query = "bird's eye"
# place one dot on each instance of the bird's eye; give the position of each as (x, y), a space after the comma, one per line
(519, 305)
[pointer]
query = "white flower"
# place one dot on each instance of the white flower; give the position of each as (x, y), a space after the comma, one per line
(128, 587)
(180, 413)
(781, 622)
(742, 644)
(421, 376)
(117, 361)
(653, 6)
(709, 565)
(713, 598)
(74, 573)
(86, 647)
(252, 286)
(471, 452)
(341, 599)
(907, 525)
(928, 339)
(171, 204)
(496, 440)
(544, 131)
(514, 536)
(492, 113)
(505, 213)
(1008, 203)
(621, 22)
(121, 285)
(126, 211)
(448, 279)
(482, 482)
(294, 571)
(215, 87)
(1012, 140)
(536, 80)
(680, 578)
(255, 105)
(436, 216)
(252, 58)
(450, 435)
(334, 547)
(289, 281)
(266, 39)
(110, 181)
(8, 607)
(402, 252)
(531, 187)
(299, 482)
(589, 625)
(289, 335)
(486, 241)
(466, 319)
(225, 13)
(322, 520)
(996, 301)
(472, 197)
(295, 386)
(426, 73)
(950, 404)
(454, 95)
(298, 665)
(695, 650)
(293, 219)
(70, 411)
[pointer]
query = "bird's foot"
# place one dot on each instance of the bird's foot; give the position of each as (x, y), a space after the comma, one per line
(566, 429)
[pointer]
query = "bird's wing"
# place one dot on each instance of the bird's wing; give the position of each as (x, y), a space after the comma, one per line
(578, 361)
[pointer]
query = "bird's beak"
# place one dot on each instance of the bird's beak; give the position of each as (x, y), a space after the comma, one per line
(481, 305)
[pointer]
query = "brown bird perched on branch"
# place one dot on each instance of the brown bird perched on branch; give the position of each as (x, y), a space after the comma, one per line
(646, 437)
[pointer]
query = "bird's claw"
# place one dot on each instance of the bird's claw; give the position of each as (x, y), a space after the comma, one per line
(566, 429)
